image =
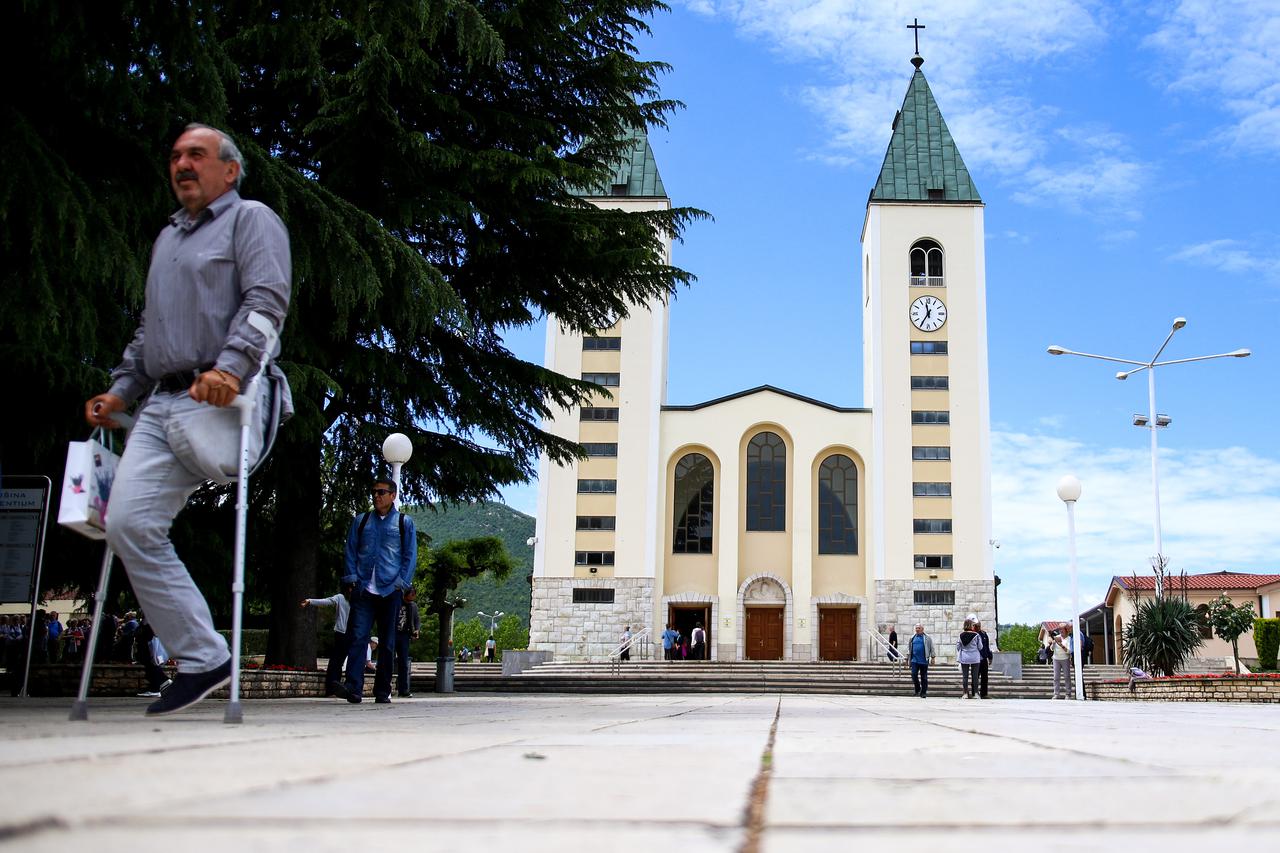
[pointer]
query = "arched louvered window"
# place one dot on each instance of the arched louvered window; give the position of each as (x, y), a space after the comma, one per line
(694, 504)
(926, 264)
(837, 506)
(766, 483)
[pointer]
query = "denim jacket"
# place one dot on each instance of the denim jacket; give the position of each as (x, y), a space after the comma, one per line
(375, 553)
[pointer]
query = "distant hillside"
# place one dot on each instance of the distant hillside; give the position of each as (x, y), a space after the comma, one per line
(468, 521)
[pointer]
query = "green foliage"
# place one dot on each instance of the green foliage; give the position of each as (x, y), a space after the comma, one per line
(1020, 638)
(1162, 634)
(512, 594)
(1266, 636)
(253, 641)
(1230, 621)
(449, 565)
(510, 633)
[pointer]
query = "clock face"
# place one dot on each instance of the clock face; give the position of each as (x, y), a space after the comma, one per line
(928, 313)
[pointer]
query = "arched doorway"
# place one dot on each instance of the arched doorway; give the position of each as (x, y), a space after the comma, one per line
(764, 603)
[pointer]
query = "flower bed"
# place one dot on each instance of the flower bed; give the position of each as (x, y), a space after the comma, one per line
(1197, 687)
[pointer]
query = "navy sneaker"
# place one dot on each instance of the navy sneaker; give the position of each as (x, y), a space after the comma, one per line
(383, 700)
(188, 689)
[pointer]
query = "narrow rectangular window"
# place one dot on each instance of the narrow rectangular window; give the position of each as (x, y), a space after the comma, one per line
(928, 347)
(934, 597)
(599, 413)
(597, 522)
(931, 490)
(930, 417)
(600, 448)
(930, 452)
(601, 487)
(593, 558)
(598, 343)
(609, 380)
(925, 562)
(932, 525)
(592, 595)
(930, 383)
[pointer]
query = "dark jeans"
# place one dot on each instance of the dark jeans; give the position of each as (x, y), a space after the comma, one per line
(983, 669)
(367, 608)
(696, 652)
(969, 678)
(402, 662)
(337, 657)
(920, 677)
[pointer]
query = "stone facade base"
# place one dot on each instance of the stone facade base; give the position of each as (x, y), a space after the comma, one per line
(590, 631)
(129, 680)
(896, 605)
(1188, 690)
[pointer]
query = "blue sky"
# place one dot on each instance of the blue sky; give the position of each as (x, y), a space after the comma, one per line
(1127, 158)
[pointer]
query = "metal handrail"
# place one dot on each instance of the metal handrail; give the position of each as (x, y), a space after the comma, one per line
(638, 638)
(893, 655)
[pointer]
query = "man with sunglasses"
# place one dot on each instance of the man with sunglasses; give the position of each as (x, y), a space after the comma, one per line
(381, 556)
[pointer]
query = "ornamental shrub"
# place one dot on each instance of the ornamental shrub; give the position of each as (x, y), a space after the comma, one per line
(1163, 633)
(1266, 636)
(1020, 638)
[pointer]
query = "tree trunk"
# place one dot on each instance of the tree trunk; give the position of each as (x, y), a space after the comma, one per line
(296, 542)
(444, 661)
(445, 644)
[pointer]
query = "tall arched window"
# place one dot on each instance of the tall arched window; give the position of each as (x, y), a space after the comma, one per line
(926, 264)
(693, 504)
(837, 506)
(766, 483)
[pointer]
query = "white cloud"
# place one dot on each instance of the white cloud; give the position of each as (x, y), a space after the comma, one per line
(1229, 256)
(982, 49)
(1227, 51)
(1103, 183)
(1217, 508)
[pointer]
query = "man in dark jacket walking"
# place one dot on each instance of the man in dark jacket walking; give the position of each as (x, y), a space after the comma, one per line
(987, 657)
(408, 624)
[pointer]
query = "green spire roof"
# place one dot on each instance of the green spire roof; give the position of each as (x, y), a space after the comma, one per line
(922, 163)
(635, 175)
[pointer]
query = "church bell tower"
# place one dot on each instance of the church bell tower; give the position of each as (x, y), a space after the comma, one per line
(925, 379)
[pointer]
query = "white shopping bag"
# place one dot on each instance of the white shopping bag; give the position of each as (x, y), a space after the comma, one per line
(86, 485)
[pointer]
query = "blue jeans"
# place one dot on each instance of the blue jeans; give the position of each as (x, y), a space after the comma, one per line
(151, 487)
(920, 677)
(366, 607)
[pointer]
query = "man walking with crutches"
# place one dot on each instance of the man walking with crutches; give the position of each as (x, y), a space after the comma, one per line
(219, 260)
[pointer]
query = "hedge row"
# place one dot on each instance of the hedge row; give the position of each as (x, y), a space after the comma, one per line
(1266, 636)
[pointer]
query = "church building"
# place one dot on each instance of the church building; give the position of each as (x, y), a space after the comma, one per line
(790, 528)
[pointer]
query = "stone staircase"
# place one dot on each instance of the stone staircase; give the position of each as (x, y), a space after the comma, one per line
(856, 678)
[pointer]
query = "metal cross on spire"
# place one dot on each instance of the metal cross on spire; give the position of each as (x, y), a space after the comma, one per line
(915, 25)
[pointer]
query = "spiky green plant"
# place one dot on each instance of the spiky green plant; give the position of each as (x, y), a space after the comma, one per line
(1163, 633)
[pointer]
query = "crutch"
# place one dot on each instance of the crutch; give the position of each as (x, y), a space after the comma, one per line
(247, 403)
(80, 708)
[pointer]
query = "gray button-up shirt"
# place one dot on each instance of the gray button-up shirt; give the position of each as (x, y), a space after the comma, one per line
(206, 275)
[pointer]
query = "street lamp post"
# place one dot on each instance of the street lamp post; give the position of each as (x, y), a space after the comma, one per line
(1069, 489)
(493, 619)
(1152, 420)
(397, 450)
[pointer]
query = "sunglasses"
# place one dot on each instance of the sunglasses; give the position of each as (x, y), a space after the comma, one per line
(383, 492)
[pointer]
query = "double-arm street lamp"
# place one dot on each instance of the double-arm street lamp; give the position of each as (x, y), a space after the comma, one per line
(493, 619)
(1152, 421)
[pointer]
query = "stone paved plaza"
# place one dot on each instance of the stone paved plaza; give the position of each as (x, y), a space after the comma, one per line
(642, 773)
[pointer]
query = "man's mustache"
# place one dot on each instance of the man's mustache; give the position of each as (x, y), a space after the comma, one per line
(186, 175)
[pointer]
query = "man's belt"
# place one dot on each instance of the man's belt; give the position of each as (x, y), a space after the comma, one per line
(173, 383)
